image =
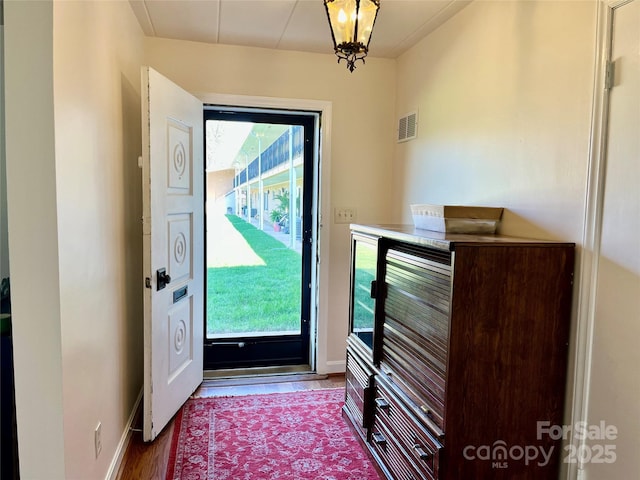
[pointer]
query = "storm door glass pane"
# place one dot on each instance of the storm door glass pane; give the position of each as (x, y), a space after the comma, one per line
(255, 179)
(363, 304)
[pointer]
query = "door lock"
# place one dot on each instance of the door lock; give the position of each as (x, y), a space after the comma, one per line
(162, 278)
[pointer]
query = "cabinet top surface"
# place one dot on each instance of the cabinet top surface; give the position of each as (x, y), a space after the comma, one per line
(445, 241)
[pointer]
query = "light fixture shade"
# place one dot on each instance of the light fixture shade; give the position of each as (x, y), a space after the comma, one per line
(351, 23)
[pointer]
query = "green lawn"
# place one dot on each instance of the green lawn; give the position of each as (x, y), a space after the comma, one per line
(256, 298)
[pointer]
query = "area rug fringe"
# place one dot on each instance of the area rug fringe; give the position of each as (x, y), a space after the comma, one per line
(196, 396)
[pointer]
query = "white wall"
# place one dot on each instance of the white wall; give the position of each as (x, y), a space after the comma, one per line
(504, 93)
(361, 139)
(73, 138)
(97, 58)
(31, 200)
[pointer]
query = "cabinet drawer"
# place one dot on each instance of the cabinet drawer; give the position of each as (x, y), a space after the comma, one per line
(419, 382)
(360, 370)
(387, 449)
(422, 449)
(415, 336)
(415, 320)
(358, 393)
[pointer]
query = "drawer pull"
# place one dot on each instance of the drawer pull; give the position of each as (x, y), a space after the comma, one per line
(427, 412)
(382, 404)
(379, 439)
(424, 456)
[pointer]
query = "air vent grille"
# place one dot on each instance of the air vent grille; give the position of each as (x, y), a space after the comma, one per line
(408, 127)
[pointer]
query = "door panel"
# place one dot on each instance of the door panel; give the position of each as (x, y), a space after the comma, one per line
(173, 234)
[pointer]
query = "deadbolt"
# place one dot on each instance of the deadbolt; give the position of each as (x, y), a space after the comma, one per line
(162, 278)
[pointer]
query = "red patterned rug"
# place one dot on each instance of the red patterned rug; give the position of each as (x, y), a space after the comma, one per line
(293, 436)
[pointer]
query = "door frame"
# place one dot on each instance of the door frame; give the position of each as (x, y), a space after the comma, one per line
(321, 230)
(273, 350)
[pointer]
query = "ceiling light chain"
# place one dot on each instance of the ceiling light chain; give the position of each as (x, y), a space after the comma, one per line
(351, 23)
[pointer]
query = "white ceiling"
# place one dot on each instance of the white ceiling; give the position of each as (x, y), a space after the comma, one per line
(280, 24)
(288, 24)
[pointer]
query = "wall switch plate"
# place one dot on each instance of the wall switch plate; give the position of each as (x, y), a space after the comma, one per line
(344, 215)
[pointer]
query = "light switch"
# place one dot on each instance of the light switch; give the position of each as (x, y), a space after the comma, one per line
(344, 215)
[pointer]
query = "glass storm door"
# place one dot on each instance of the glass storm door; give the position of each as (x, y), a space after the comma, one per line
(259, 202)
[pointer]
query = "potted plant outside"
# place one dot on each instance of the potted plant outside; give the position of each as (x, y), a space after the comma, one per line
(275, 216)
(280, 213)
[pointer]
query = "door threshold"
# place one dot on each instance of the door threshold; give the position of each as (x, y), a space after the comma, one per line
(255, 371)
(248, 376)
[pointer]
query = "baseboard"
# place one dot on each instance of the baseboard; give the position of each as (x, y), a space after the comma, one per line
(114, 468)
(333, 366)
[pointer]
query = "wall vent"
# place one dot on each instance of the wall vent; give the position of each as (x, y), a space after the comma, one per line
(408, 127)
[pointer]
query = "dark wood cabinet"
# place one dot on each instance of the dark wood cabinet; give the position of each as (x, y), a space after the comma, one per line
(359, 389)
(360, 371)
(468, 353)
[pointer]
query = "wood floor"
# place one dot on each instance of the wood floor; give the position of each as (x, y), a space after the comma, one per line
(148, 461)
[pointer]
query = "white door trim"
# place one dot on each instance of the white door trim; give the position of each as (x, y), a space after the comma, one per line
(592, 231)
(322, 229)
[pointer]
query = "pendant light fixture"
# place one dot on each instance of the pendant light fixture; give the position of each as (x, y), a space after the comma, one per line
(351, 23)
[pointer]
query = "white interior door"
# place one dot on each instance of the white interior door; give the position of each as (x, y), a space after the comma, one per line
(173, 233)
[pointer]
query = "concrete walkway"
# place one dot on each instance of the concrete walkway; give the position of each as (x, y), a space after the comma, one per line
(285, 238)
(227, 247)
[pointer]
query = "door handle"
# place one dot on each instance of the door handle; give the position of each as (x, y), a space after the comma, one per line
(162, 278)
(374, 289)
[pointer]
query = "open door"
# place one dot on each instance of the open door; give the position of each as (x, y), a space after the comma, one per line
(173, 244)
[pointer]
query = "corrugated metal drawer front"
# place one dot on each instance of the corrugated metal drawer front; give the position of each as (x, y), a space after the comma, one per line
(416, 325)
(412, 436)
